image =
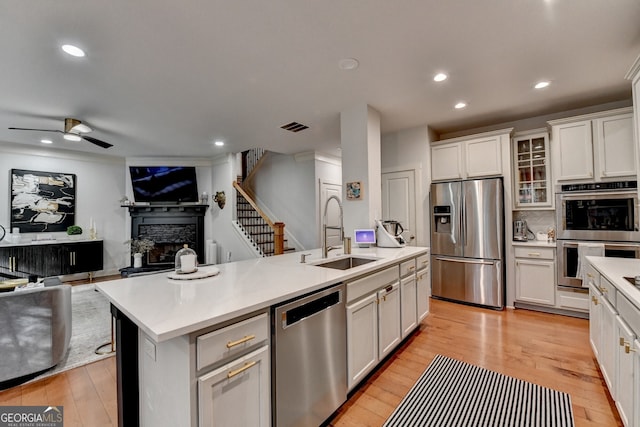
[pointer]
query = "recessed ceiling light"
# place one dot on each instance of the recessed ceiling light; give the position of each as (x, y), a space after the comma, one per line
(46, 141)
(348, 64)
(73, 50)
(542, 84)
(219, 143)
(440, 77)
(460, 105)
(72, 137)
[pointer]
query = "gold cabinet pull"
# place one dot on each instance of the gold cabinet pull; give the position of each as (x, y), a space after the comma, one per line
(246, 366)
(628, 349)
(595, 300)
(534, 253)
(231, 344)
(413, 267)
(589, 275)
(603, 289)
(622, 342)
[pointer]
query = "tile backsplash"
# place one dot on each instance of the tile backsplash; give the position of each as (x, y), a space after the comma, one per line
(538, 221)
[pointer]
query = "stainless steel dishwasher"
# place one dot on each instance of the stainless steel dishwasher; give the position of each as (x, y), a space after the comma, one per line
(309, 363)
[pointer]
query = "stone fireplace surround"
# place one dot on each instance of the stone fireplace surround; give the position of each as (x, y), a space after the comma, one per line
(169, 226)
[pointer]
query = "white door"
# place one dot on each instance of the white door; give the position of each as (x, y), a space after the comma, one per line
(399, 201)
(328, 189)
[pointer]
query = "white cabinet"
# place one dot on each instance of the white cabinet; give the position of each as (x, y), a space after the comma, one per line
(595, 320)
(535, 275)
(362, 338)
(532, 171)
(446, 162)
(613, 136)
(408, 306)
(608, 349)
(237, 393)
(625, 375)
(423, 286)
(389, 331)
(474, 156)
(593, 147)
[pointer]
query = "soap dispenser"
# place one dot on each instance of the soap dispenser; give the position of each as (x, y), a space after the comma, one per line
(186, 260)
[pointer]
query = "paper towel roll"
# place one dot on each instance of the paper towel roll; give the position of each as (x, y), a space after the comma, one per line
(212, 252)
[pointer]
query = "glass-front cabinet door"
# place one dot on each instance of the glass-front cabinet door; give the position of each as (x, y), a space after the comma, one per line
(532, 183)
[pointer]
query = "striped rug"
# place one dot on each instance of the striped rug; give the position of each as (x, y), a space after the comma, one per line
(455, 393)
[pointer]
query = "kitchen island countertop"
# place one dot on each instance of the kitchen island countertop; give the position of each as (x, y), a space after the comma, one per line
(615, 270)
(164, 308)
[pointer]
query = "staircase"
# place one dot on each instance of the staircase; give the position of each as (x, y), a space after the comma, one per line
(258, 229)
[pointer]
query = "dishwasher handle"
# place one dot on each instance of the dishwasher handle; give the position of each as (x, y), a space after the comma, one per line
(308, 309)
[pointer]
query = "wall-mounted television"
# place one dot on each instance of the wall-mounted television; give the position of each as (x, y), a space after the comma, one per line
(164, 184)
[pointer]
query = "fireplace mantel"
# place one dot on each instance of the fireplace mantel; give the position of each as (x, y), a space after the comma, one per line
(169, 226)
(166, 209)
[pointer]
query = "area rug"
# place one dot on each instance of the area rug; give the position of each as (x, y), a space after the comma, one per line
(90, 328)
(455, 393)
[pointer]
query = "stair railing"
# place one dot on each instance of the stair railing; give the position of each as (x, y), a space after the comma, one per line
(277, 227)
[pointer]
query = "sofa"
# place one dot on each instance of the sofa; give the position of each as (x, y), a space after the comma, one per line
(35, 330)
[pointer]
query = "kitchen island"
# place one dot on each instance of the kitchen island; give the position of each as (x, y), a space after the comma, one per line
(614, 330)
(164, 327)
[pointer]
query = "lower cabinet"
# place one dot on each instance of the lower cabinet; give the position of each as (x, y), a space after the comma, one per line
(423, 293)
(237, 393)
(535, 275)
(595, 320)
(409, 306)
(389, 331)
(362, 338)
(625, 380)
(608, 350)
(53, 259)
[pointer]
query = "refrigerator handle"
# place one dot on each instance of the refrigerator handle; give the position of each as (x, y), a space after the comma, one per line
(463, 219)
(465, 260)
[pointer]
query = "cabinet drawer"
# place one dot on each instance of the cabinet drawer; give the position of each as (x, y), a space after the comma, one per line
(232, 340)
(422, 262)
(371, 283)
(630, 313)
(407, 268)
(534, 252)
(608, 290)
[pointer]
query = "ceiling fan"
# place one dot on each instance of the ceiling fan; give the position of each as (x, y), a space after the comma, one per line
(73, 131)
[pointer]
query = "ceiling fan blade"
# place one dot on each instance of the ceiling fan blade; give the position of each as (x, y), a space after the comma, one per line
(97, 141)
(39, 130)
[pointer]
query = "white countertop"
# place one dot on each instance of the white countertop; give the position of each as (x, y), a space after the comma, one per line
(164, 308)
(615, 269)
(534, 243)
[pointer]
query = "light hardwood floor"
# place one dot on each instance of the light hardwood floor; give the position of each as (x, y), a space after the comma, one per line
(545, 349)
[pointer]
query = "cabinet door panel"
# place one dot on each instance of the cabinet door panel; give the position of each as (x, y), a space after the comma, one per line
(389, 331)
(573, 153)
(423, 292)
(609, 348)
(82, 257)
(362, 338)
(625, 375)
(484, 157)
(408, 308)
(237, 393)
(595, 321)
(535, 281)
(615, 146)
(446, 162)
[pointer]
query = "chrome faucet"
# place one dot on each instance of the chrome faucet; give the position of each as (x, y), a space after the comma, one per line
(325, 249)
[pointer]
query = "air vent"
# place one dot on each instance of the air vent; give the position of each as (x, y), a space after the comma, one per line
(294, 127)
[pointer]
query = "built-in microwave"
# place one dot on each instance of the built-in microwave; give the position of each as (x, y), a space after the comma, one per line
(598, 211)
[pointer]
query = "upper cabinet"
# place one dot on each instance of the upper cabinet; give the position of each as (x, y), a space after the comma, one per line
(532, 173)
(594, 147)
(634, 76)
(474, 156)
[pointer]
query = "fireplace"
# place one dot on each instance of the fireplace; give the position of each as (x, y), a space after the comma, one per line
(170, 227)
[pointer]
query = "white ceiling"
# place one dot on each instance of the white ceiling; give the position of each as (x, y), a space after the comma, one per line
(166, 78)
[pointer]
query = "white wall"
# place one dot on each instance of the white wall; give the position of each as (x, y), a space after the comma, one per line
(410, 150)
(100, 185)
(223, 173)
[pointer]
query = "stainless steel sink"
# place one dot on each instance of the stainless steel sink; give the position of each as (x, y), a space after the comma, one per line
(345, 263)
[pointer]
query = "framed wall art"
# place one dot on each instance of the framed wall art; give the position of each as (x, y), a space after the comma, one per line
(354, 190)
(42, 201)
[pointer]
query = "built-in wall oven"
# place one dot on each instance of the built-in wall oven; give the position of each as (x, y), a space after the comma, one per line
(604, 213)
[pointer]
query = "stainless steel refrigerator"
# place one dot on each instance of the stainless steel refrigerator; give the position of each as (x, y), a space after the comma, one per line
(467, 241)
